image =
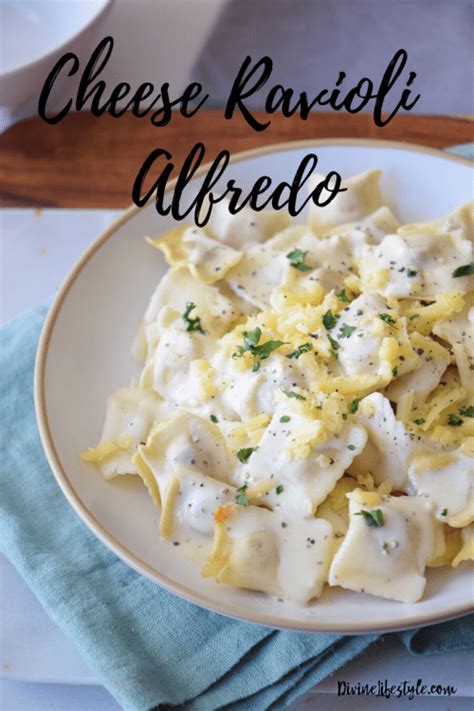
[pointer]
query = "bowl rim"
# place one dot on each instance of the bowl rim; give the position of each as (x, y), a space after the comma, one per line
(74, 499)
(99, 12)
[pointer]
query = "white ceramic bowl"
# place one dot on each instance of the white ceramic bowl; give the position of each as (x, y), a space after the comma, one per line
(84, 353)
(34, 34)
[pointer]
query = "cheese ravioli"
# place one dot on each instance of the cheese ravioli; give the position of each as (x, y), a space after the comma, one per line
(304, 415)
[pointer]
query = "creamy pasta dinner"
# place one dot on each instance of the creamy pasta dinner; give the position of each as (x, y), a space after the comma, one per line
(305, 412)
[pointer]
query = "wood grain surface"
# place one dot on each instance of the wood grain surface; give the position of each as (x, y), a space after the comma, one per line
(91, 162)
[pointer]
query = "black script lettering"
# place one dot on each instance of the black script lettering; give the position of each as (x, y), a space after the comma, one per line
(251, 78)
(238, 92)
(92, 88)
(393, 71)
(204, 200)
(97, 62)
(160, 184)
(355, 93)
(191, 91)
(48, 85)
(260, 186)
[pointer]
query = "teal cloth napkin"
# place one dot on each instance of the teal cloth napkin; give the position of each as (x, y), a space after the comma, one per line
(465, 150)
(149, 648)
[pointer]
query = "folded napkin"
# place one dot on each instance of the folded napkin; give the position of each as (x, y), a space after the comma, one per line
(465, 150)
(149, 648)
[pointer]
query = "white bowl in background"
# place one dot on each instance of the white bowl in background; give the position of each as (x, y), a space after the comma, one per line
(33, 35)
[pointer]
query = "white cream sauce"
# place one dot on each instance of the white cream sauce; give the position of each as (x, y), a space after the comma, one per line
(303, 550)
(386, 560)
(390, 446)
(306, 481)
(450, 488)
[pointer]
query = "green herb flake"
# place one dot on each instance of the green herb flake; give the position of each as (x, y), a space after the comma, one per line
(244, 454)
(413, 317)
(292, 394)
(354, 406)
(285, 418)
(297, 257)
(260, 351)
(420, 421)
(395, 372)
(385, 546)
(444, 512)
(241, 497)
(280, 489)
(351, 447)
(465, 270)
(454, 420)
(411, 273)
(346, 331)
(467, 411)
(214, 419)
(304, 348)
(253, 337)
(329, 320)
(267, 348)
(342, 296)
(387, 318)
(334, 346)
(192, 324)
(345, 415)
(372, 518)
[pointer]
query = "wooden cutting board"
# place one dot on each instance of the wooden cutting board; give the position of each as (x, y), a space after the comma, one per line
(91, 162)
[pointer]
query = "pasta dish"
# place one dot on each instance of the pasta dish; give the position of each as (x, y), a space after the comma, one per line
(304, 415)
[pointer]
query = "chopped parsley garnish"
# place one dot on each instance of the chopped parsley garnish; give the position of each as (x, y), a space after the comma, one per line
(297, 257)
(465, 270)
(387, 318)
(411, 272)
(395, 372)
(259, 351)
(346, 331)
(351, 447)
(420, 421)
(372, 518)
(454, 420)
(334, 346)
(444, 512)
(354, 406)
(192, 324)
(280, 489)
(413, 317)
(342, 296)
(244, 454)
(345, 415)
(467, 411)
(385, 546)
(291, 393)
(329, 320)
(285, 418)
(241, 497)
(304, 348)
(214, 419)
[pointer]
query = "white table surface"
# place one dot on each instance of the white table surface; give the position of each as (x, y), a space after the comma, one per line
(49, 675)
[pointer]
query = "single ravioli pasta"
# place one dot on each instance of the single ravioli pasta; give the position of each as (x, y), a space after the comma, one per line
(305, 413)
